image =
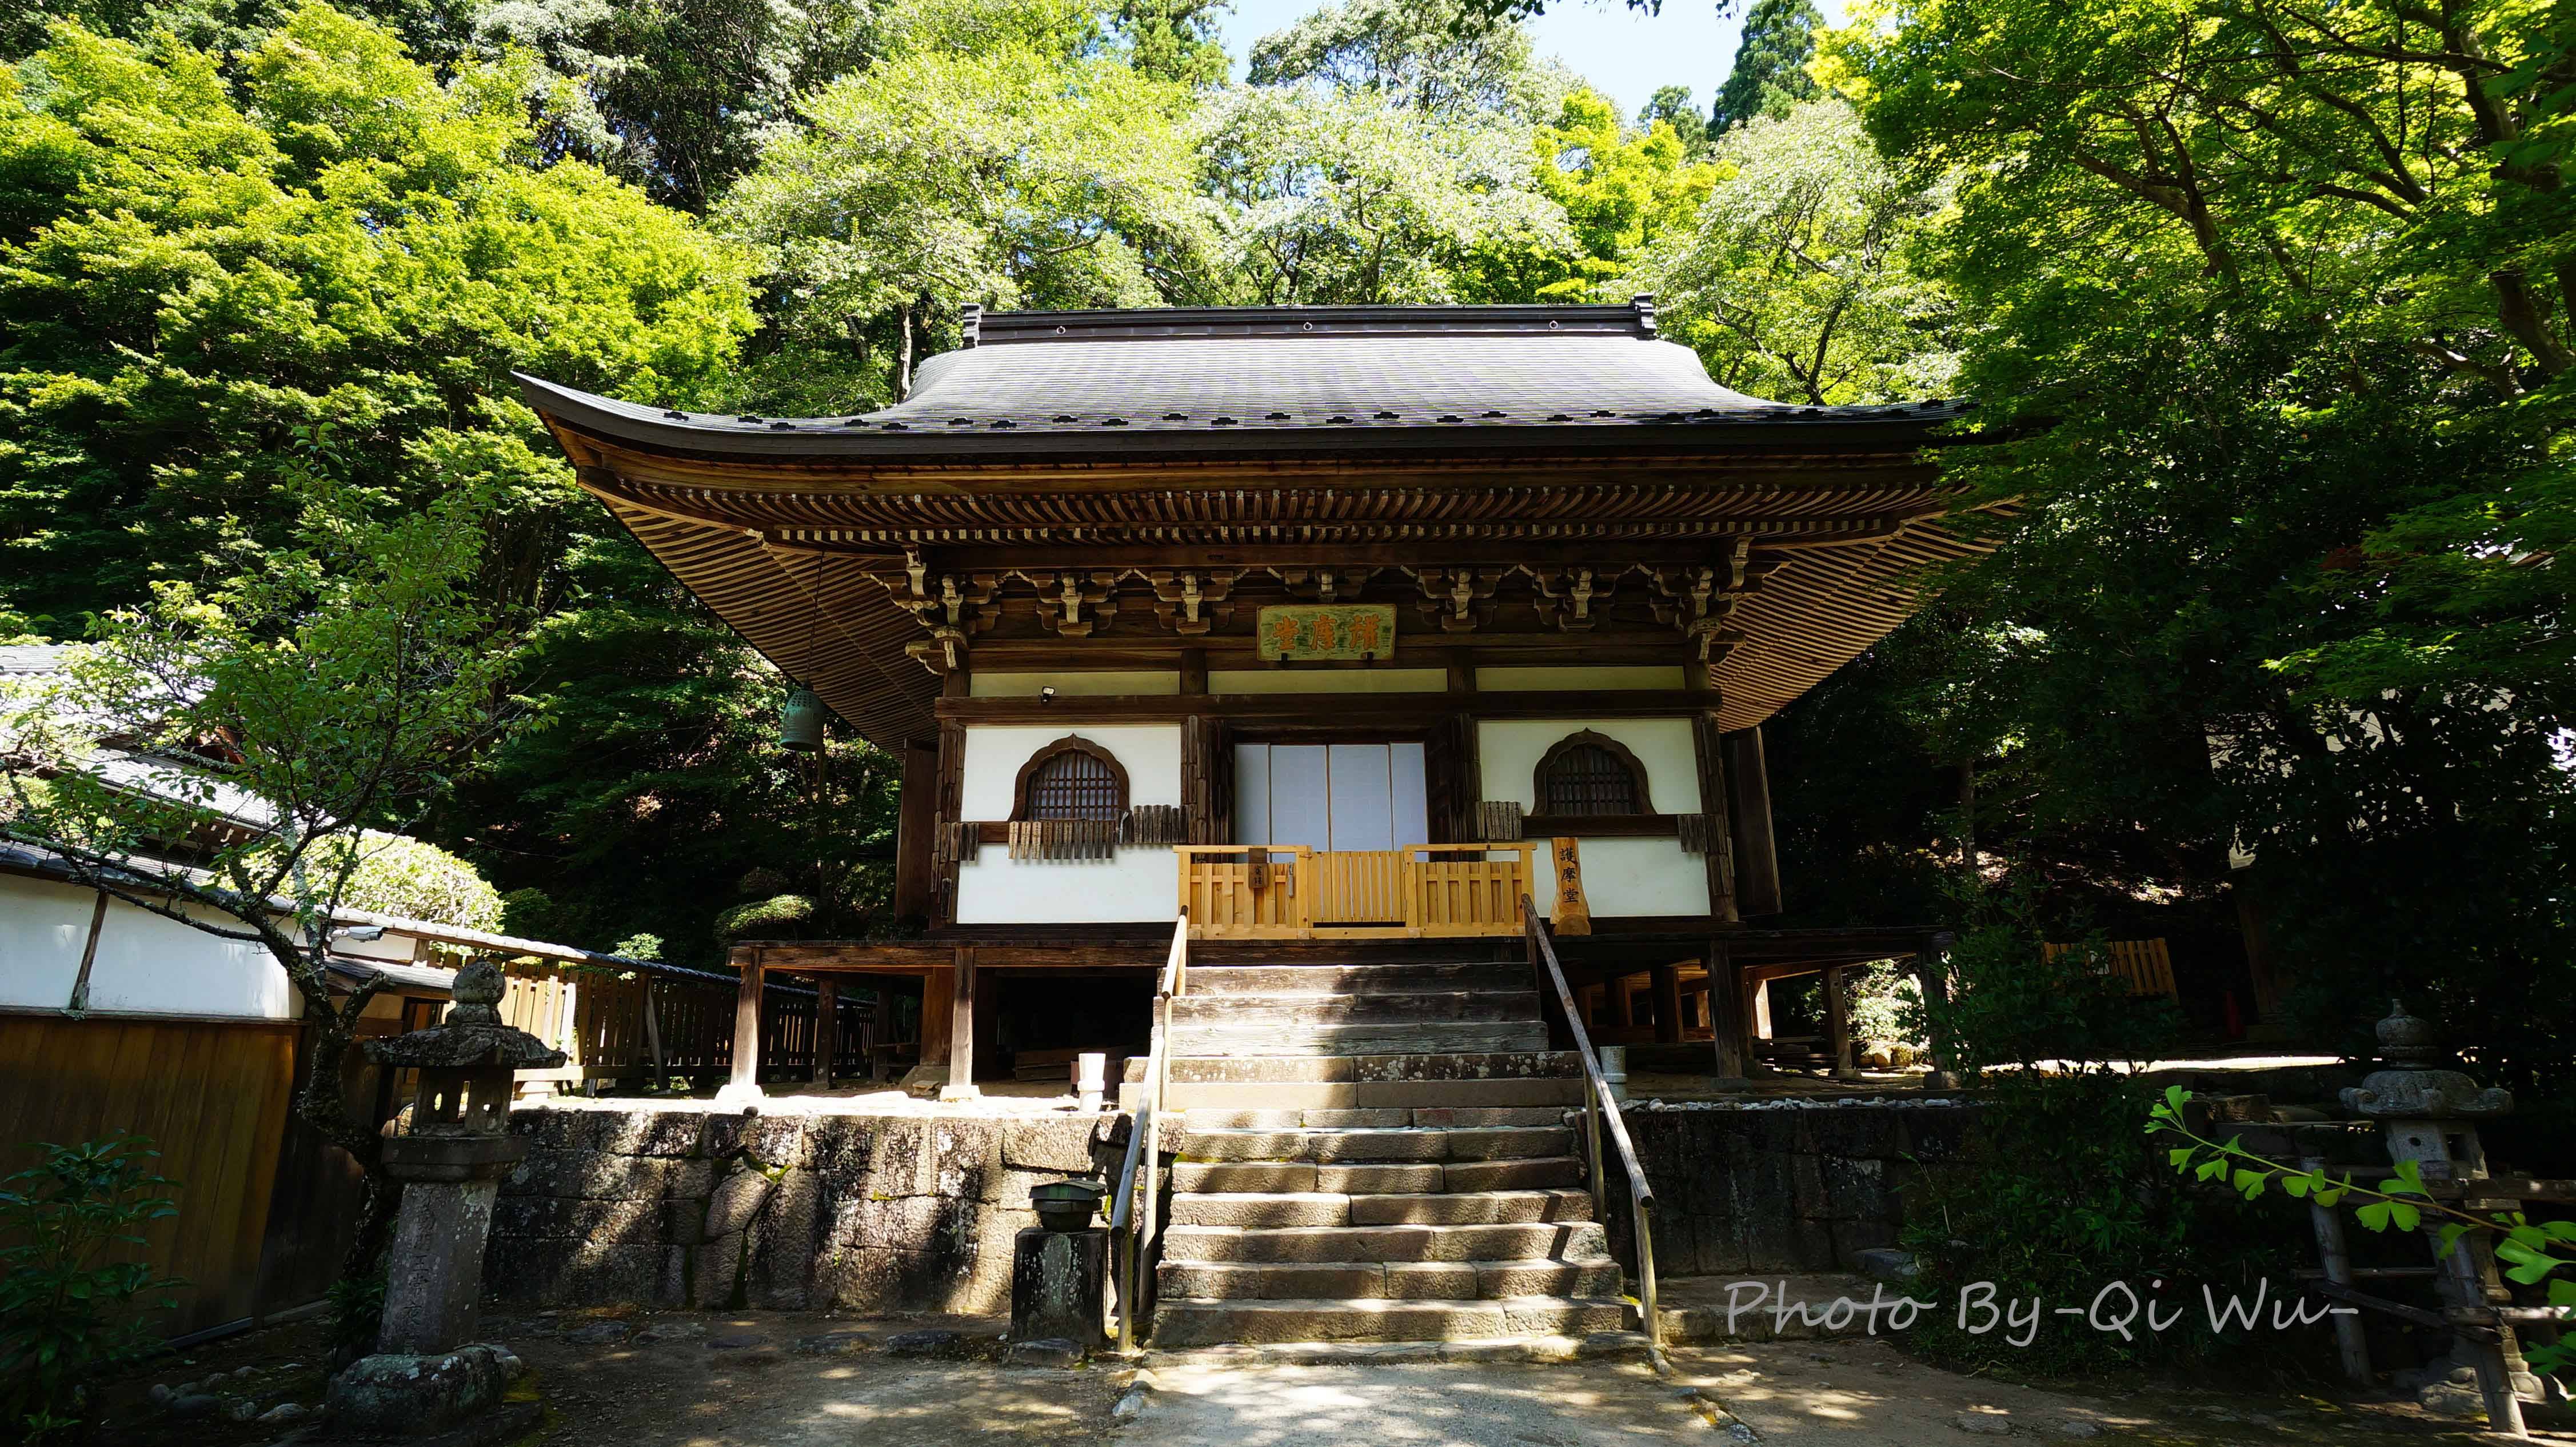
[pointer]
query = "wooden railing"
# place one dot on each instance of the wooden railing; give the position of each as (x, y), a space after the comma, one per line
(1289, 891)
(619, 1025)
(1131, 1225)
(1600, 1116)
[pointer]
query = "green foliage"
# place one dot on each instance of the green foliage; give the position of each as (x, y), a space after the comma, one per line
(75, 1303)
(639, 947)
(357, 1316)
(2060, 1196)
(194, 270)
(1801, 276)
(778, 917)
(2527, 1248)
(1671, 106)
(1883, 1004)
(402, 876)
(1769, 77)
(2009, 1006)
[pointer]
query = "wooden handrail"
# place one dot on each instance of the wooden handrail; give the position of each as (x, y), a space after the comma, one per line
(1603, 1107)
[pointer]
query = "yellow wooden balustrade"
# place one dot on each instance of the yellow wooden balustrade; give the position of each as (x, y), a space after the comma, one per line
(1289, 891)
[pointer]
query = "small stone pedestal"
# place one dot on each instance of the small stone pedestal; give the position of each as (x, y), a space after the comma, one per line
(1059, 1285)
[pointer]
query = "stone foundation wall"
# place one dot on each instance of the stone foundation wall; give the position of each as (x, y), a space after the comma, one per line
(842, 1212)
(1759, 1187)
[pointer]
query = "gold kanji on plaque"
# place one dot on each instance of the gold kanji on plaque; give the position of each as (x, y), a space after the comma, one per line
(1299, 631)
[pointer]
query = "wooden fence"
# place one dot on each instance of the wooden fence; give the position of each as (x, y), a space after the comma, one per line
(634, 1025)
(2140, 965)
(212, 1096)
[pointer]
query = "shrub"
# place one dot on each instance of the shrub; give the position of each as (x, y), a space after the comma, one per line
(74, 1303)
(399, 875)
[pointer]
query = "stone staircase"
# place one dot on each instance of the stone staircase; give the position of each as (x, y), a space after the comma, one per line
(1374, 1152)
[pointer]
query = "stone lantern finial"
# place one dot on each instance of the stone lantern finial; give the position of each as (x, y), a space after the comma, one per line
(2410, 1088)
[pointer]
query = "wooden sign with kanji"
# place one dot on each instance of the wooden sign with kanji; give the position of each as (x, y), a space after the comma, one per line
(1301, 631)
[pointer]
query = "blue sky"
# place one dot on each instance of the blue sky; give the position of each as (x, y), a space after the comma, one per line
(1626, 54)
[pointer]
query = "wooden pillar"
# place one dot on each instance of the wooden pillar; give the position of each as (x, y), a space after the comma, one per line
(938, 994)
(961, 1027)
(1614, 1002)
(1931, 972)
(1668, 1004)
(827, 1027)
(1748, 807)
(1194, 673)
(745, 1083)
(1711, 753)
(1725, 1015)
(1838, 1024)
(916, 876)
(950, 793)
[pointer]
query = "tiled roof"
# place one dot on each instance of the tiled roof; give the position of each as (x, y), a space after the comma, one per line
(1237, 378)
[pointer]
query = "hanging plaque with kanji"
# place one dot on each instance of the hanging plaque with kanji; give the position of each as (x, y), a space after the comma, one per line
(1297, 631)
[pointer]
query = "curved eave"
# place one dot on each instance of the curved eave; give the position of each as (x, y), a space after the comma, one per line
(811, 440)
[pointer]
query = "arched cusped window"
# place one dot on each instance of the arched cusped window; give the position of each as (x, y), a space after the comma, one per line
(1072, 778)
(1591, 773)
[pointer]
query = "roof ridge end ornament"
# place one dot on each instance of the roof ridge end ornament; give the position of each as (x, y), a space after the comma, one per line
(970, 325)
(1644, 302)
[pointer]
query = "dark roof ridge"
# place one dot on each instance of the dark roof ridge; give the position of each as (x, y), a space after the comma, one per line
(1634, 317)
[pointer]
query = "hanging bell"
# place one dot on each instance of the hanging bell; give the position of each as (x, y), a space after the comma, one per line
(800, 726)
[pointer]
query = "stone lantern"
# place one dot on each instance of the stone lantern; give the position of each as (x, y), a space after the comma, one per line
(428, 1379)
(2430, 1116)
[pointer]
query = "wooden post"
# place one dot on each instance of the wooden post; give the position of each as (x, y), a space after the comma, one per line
(1748, 807)
(961, 1028)
(1931, 973)
(916, 877)
(745, 1085)
(1668, 1004)
(827, 1028)
(2352, 1345)
(938, 996)
(1838, 1024)
(1194, 673)
(653, 1039)
(1725, 1016)
(1720, 859)
(1614, 1002)
(89, 956)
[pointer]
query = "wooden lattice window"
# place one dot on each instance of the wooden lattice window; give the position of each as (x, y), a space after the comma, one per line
(1591, 773)
(1072, 778)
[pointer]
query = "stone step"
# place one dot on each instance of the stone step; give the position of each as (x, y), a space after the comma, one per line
(1334, 1208)
(1336, 980)
(1370, 1065)
(1499, 1093)
(1408, 1143)
(1378, 1280)
(1377, 1119)
(1388, 1178)
(1194, 1323)
(1513, 1241)
(1264, 1010)
(1380, 1037)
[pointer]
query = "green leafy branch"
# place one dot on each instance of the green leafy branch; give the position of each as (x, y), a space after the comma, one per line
(2525, 1248)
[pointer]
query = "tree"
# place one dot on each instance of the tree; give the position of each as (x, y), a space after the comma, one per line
(994, 153)
(1618, 193)
(1441, 58)
(1173, 40)
(191, 272)
(2259, 331)
(1671, 105)
(680, 97)
(1799, 278)
(337, 686)
(1770, 71)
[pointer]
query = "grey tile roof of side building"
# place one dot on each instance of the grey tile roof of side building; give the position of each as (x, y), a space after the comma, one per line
(1252, 378)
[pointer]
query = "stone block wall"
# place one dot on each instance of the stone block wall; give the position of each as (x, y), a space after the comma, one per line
(842, 1212)
(1765, 1187)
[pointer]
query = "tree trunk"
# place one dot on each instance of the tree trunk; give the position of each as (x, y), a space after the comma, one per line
(1968, 815)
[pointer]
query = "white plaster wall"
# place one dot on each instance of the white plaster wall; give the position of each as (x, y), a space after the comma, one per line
(1621, 876)
(1328, 680)
(1140, 884)
(1613, 678)
(145, 964)
(1108, 683)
